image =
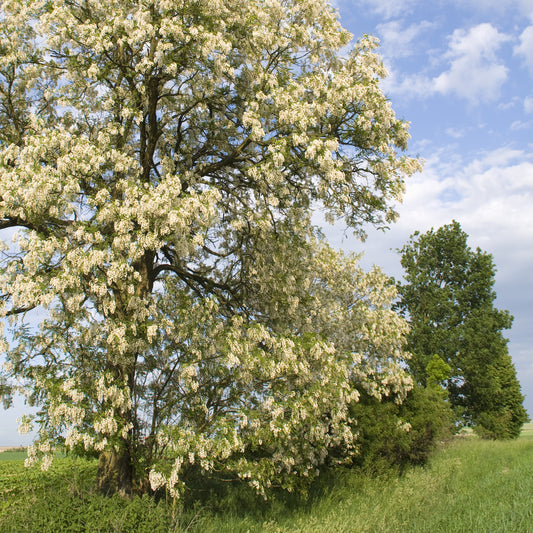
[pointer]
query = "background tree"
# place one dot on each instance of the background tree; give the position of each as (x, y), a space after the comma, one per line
(448, 296)
(159, 160)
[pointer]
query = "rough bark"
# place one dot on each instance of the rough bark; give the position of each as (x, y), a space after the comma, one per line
(115, 473)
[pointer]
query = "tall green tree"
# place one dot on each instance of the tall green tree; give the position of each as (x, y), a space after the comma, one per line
(448, 298)
(159, 161)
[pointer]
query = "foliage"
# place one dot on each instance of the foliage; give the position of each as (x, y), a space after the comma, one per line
(63, 499)
(448, 297)
(471, 485)
(401, 434)
(437, 372)
(159, 163)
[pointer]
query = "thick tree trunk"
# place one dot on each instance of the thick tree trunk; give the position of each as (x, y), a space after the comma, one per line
(115, 473)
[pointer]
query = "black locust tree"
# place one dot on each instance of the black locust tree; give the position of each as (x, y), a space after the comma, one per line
(159, 164)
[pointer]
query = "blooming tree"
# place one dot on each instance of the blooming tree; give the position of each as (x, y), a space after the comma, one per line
(159, 162)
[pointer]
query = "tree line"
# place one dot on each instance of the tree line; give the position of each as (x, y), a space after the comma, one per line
(448, 298)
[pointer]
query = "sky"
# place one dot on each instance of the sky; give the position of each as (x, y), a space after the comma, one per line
(461, 71)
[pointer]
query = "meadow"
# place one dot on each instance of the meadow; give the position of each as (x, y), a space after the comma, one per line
(468, 485)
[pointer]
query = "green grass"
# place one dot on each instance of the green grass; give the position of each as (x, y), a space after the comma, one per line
(470, 485)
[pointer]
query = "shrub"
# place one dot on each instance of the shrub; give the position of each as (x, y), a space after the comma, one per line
(403, 434)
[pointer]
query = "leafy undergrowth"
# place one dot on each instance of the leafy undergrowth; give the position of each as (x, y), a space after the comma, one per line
(471, 485)
(63, 499)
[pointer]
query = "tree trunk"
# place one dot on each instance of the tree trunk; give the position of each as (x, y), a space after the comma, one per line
(115, 473)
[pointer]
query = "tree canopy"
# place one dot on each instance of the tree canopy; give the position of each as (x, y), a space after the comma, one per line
(448, 297)
(160, 161)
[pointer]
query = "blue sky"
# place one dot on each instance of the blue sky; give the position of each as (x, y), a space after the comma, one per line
(461, 71)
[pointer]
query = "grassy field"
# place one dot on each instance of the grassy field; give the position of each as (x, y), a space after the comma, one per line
(527, 431)
(469, 486)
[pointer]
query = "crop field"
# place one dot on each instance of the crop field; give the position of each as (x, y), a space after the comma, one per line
(469, 485)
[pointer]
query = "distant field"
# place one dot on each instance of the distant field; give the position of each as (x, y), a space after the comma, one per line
(10, 454)
(527, 431)
(471, 485)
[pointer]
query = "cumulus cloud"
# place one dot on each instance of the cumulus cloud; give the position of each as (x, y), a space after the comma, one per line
(397, 40)
(491, 196)
(412, 85)
(525, 48)
(475, 72)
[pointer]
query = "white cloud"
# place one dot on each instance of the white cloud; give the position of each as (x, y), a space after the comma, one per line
(518, 125)
(411, 85)
(396, 40)
(525, 48)
(491, 197)
(475, 72)
(455, 132)
(509, 104)
(528, 104)
(388, 9)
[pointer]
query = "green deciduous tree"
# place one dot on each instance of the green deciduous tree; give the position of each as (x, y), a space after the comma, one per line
(159, 161)
(448, 296)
